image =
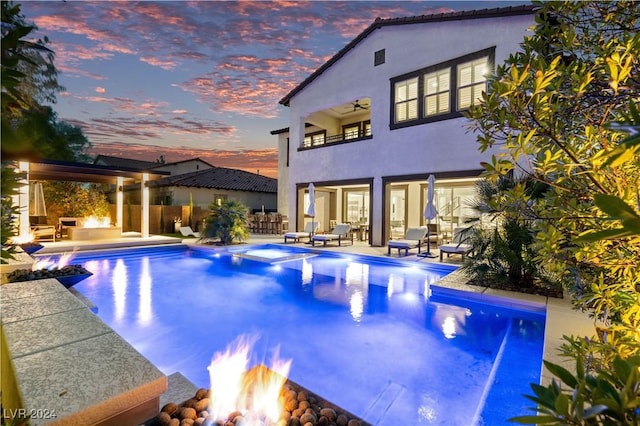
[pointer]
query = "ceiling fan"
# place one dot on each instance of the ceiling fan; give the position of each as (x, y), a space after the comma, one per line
(357, 106)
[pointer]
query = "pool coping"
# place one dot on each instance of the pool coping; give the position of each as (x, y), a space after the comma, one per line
(57, 346)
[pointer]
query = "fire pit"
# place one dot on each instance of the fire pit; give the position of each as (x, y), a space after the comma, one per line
(67, 275)
(46, 267)
(86, 234)
(258, 396)
(301, 408)
(94, 228)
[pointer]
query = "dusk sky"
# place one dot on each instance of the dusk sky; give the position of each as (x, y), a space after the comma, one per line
(198, 78)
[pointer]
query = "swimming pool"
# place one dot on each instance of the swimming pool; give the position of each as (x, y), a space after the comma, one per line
(371, 335)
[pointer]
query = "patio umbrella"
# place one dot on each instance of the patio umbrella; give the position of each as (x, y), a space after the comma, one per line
(37, 206)
(430, 212)
(311, 210)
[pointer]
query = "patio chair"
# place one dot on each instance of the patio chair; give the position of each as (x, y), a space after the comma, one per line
(309, 228)
(456, 246)
(44, 232)
(414, 237)
(342, 232)
(65, 223)
(187, 231)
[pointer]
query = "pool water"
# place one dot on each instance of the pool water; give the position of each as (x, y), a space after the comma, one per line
(373, 336)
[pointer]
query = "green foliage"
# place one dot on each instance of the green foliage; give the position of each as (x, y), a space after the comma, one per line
(43, 136)
(30, 130)
(74, 199)
(227, 221)
(607, 397)
(29, 79)
(27, 76)
(8, 211)
(559, 112)
(502, 237)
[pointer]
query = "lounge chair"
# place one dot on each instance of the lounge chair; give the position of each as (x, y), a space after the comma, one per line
(187, 231)
(456, 246)
(44, 232)
(342, 232)
(414, 237)
(309, 228)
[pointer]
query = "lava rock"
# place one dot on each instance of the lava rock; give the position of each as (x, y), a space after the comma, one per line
(188, 413)
(163, 419)
(170, 408)
(329, 413)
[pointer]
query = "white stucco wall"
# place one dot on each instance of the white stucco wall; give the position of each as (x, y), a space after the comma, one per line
(283, 175)
(442, 146)
(184, 167)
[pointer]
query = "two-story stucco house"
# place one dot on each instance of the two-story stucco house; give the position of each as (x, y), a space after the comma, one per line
(370, 125)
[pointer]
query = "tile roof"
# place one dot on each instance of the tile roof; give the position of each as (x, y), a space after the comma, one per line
(221, 178)
(439, 17)
(108, 160)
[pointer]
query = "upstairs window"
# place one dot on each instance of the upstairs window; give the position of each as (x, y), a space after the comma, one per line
(367, 128)
(314, 139)
(436, 92)
(472, 82)
(406, 100)
(351, 131)
(441, 91)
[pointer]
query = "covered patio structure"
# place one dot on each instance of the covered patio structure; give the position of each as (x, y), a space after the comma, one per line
(50, 170)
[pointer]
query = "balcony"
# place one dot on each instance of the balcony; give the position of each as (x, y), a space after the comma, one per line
(325, 140)
(349, 122)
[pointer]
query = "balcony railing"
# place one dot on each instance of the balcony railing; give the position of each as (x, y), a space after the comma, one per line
(335, 139)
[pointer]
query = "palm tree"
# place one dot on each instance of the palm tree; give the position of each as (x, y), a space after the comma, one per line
(227, 221)
(503, 254)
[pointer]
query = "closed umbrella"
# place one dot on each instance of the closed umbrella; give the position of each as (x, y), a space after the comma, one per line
(311, 210)
(430, 212)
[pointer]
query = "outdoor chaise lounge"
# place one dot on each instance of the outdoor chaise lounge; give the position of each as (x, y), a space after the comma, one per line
(309, 228)
(187, 231)
(342, 232)
(414, 237)
(456, 246)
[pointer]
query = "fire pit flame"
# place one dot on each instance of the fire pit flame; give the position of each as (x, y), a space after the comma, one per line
(255, 393)
(23, 238)
(48, 263)
(96, 222)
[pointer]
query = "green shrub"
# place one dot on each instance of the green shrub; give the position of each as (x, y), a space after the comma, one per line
(227, 221)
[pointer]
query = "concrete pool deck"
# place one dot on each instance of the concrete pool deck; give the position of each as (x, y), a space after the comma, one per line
(561, 320)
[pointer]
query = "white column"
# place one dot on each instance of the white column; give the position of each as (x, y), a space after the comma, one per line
(119, 201)
(144, 216)
(22, 200)
(376, 215)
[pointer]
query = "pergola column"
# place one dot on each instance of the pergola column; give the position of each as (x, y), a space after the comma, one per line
(119, 201)
(22, 200)
(144, 216)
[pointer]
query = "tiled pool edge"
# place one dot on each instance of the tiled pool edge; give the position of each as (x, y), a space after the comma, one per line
(66, 361)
